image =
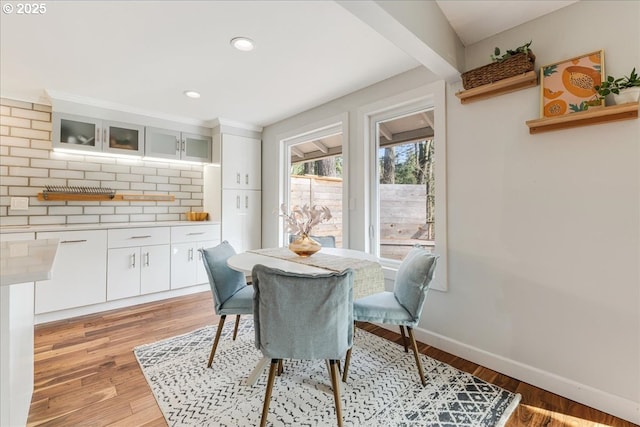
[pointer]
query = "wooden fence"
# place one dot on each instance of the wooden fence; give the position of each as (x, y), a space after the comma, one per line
(402, 216)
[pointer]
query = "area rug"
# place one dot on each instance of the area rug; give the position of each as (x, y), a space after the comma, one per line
(383, 388)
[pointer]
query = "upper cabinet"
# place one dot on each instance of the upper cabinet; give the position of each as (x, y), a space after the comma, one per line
(176, 145)
(93, 134)
(241, 159)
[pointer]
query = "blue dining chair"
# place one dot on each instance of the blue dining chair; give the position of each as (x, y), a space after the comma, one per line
(231, 294)
(299, 316)
(403, 306)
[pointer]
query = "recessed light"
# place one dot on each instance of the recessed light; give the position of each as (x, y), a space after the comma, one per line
(192, 94)
(242, 43)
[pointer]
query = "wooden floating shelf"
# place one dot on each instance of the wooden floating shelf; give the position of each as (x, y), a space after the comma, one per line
(612, 113)
(511, 84)
(49, 197)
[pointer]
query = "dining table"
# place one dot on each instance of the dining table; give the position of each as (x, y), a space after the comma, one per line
(368, 275)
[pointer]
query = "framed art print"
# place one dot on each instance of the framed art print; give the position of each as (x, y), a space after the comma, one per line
(568, 86)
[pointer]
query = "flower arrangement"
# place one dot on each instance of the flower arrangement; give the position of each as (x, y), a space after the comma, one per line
(301, 220)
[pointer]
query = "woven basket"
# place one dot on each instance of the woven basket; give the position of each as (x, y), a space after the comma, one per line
(517, 64)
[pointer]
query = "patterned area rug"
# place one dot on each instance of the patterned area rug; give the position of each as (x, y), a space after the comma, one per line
(383, 388)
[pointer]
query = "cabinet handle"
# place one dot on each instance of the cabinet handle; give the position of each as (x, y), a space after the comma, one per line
(97, 135)
(177, 145)
(190, 254)
(133, 260)
(238, 202)
(141, 237)
(146, 261)
(246, 179)
(74, 241)
(184, 145)
(104, 136)
(238, 178)
(195, 233)
(246, 202)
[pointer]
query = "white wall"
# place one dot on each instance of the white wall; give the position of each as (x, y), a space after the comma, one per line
(543, 230)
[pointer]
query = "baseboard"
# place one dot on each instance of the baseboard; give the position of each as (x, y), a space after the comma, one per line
(112, 305)
(598, 399)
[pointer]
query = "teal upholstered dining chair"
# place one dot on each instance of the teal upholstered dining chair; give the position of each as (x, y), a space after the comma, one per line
(325, 241)
(298, 316)
(403, 306)
(231, 294)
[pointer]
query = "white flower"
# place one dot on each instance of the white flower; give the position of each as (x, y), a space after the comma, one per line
(302, 220)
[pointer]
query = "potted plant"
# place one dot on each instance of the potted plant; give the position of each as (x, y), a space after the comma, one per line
(624, 89)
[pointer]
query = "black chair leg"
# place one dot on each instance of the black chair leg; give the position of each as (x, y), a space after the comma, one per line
(235, 328)
(404, 339)
(215, 341)
(267, 397)
(416, 355)
(335, 383)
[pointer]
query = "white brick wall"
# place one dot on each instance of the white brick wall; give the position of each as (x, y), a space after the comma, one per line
(27, 164)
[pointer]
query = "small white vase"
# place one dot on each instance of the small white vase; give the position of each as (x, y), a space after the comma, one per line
(630, 94)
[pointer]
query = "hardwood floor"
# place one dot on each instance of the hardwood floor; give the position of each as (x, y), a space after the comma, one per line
(86, 373)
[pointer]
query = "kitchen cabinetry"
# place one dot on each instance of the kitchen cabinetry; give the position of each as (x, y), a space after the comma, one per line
(79, 271)
(93, 134)
(138, 262)
(187, 268)
(240, 203)
(176, 145)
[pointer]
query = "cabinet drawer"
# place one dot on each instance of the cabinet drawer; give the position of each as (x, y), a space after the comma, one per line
(195, 233)
(130, 237)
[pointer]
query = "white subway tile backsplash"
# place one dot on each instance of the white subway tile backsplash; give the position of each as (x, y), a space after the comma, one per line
(49, 164)
(28, 163)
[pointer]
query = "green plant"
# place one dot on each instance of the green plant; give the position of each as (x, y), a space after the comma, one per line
(613, 85)
(496, 57)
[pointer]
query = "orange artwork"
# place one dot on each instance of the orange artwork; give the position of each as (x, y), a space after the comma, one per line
(568, 86)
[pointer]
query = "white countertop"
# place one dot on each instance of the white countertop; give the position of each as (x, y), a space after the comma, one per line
(102, 226)
(26, 260)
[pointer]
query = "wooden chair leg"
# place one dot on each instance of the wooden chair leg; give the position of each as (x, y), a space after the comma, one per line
(280, 367)
(235, 328)
(335, 383)
(215, 341)
(416, 355)
(267, 397)
(404, 339)
(345, 371)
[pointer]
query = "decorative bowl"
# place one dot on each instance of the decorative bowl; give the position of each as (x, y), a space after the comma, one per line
(197, 216)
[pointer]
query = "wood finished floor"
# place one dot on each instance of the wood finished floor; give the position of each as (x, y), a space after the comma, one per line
(86, 373)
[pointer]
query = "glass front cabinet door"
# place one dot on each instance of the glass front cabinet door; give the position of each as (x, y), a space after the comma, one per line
(196, 148)
(77, 132)
(90, 134)
(170, 144)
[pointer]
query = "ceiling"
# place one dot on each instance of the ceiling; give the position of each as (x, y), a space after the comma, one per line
(140, 56)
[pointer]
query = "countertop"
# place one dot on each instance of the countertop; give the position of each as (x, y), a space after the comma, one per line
(102, 226)
(26, 260)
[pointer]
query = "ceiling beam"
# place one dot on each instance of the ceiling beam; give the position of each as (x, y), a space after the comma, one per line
(384, 131)
(408, 136)
(297, 152)
(427, 118)
(320, 146)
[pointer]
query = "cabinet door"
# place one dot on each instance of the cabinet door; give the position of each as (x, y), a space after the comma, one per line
(77, 132)
(233, 218)
(123, 273)
(123, 138)
(196, 148)
(162, 143)
(201, 272)
(79, 275)
(241, 160)
(155, 272)
(252, 238)
(183, 265)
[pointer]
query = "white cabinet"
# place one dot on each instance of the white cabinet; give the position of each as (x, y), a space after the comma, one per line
(242, 219)
(176, 145)
(241, 159)
(239, 183)
(138, 262)
(93, 134)
(187, 268)
(79, 271)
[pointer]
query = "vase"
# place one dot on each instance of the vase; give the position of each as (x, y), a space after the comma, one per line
(304, 246)
(630, 94)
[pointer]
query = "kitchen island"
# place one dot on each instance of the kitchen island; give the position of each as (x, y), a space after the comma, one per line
(23, 260)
